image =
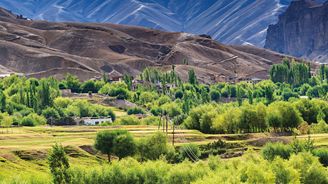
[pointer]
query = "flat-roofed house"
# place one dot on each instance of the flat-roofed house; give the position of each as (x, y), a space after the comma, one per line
(95, 121)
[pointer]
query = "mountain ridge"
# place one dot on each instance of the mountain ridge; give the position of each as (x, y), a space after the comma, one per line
(43, 49)
(226, 21)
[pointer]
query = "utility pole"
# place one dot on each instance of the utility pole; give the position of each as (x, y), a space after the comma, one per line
(167, 124)
(163, 123)
(173, 133)
(160, 122)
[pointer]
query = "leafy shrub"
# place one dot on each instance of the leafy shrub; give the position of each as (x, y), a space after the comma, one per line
(118, 90)
(150, 120)
(62, 102)
(129, 120)
(273, 150)
(284, 173)
(135, 110)
(302, 146)
(189, 151)
(51, 114)
(88, 86)
(151, 148)
(322, 153)
(33, 120)
(163, 100)
(58, 163)
(178, 94)
(321, 127)
(172, 109)
(309, 167)
(215, 95)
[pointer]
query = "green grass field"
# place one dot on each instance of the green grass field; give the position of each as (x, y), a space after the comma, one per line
(27, 147)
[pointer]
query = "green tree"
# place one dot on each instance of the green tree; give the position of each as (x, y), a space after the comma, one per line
(269, 94)
(124, 145)
(178, 94)
(309, 110)
(250, 96)
(3, 101)
(45, 94)
(6, 120)
(51, 114)
(215, 95)
(117, 142)
(239, 95)
(59, 165)
(151, 148)
(288, 116)
(128, 81)
(33, 120)
(72, 83)
(192, 78)
(89, 86)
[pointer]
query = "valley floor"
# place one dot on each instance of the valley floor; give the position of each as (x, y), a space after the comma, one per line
(27, 147)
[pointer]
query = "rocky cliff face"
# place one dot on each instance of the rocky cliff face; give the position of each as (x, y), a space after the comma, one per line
(302, 31)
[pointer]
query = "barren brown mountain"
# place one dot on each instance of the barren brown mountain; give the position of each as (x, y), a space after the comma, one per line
(39, 49)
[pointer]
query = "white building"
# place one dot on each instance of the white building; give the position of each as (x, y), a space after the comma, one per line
(95, 121)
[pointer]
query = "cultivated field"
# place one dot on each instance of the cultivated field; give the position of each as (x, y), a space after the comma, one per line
(27, 147)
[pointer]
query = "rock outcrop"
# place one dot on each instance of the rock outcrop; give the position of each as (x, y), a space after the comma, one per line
(302, 31)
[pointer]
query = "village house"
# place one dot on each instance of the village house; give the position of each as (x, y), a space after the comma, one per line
(115, 76)
(94, 121)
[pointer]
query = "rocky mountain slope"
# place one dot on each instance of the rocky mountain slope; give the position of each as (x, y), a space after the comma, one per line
(302, 31)
(228, 21)
(41, 49)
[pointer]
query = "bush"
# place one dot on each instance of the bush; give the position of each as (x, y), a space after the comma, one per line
(89, 86)
(215, 95)
(118, 90)
(58, 163)
(151, 148)
(321, 127)
(150, 120)
(322, 153)
(62, 102)
(272, 150)
(129, 120)
(163, 100)
(33, 120)
(135, 110)
(302, 146)
(6, 120)
(51, 114)
(147, 97)
(172, 109)
(156, 111)
(284, 173)
(189, 151)
(309, 167)
(178, 94)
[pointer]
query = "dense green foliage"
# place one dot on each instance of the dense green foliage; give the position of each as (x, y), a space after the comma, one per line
(270, 105)
(58, 163)
(290, 72)
(300, 168)
(32, 102)
(118, 142)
